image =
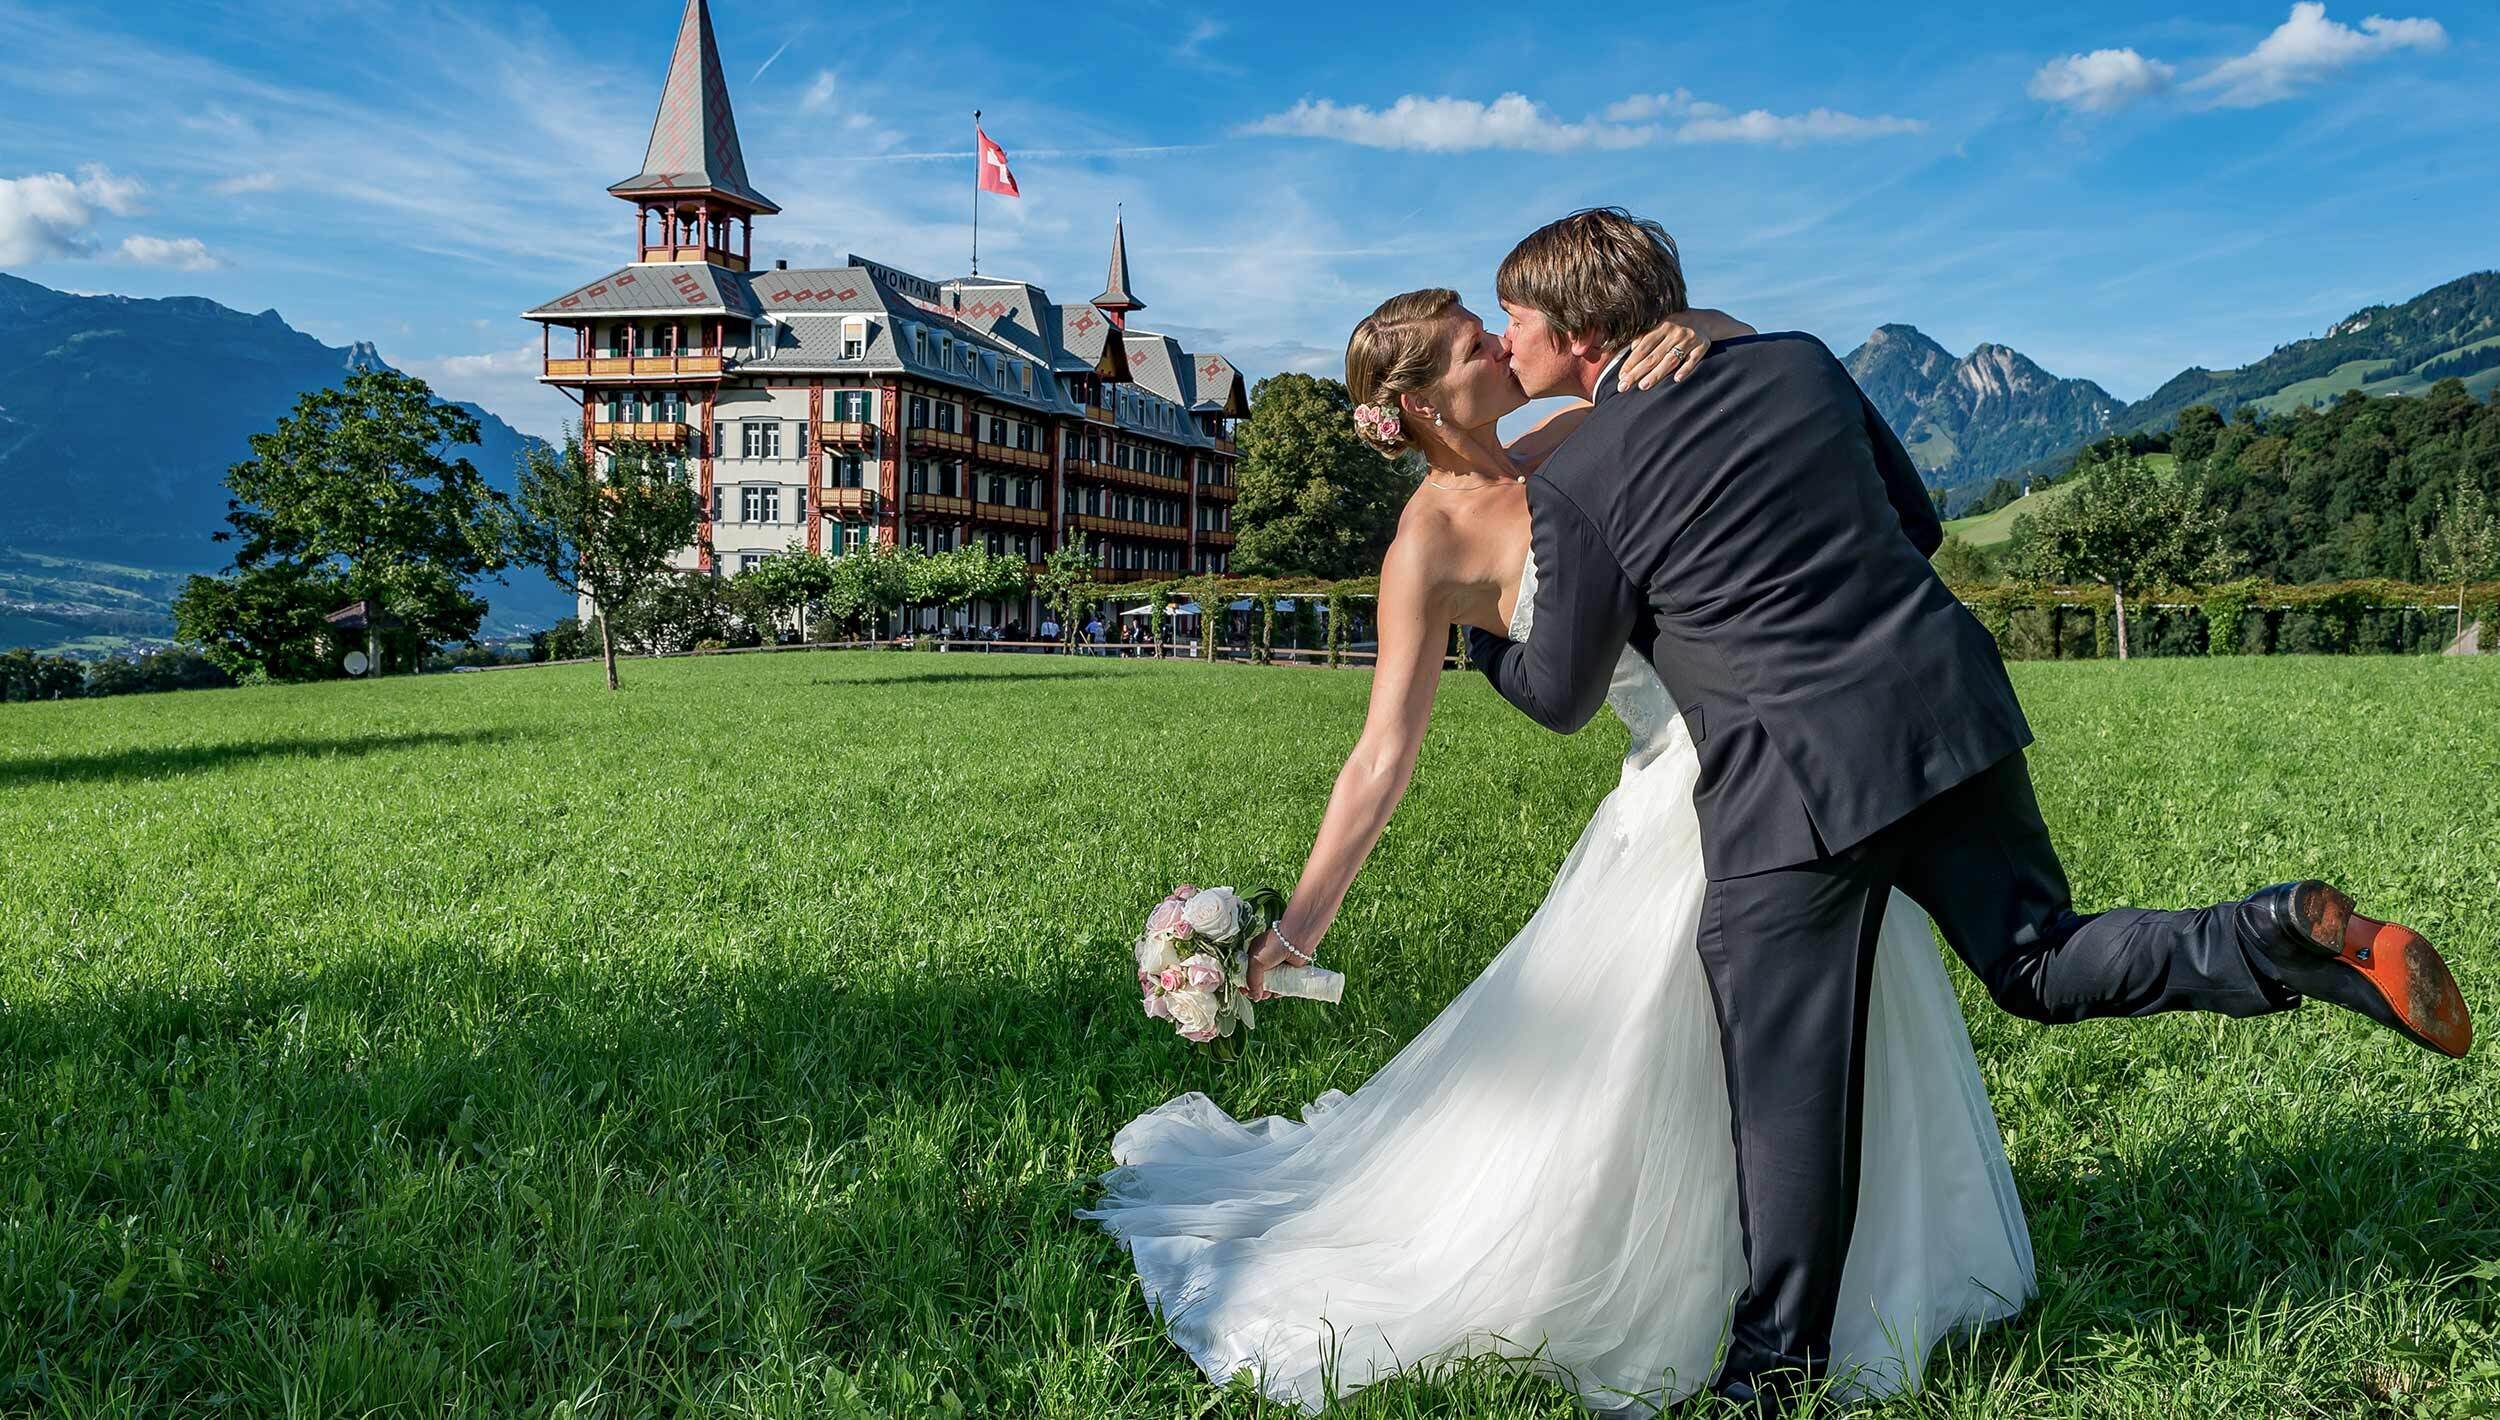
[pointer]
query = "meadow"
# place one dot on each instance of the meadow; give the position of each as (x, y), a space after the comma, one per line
(738, 1044)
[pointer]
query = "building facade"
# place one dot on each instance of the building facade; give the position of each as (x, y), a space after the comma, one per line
(827, 407)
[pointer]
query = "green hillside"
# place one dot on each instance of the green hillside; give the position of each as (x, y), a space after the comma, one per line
(1990, 530)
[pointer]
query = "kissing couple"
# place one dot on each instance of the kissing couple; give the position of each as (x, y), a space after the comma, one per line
(1712, 1119)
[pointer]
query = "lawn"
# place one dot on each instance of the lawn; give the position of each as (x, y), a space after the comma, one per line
(739, 1043)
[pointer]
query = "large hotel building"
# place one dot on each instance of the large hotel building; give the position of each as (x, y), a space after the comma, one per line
(830, 406)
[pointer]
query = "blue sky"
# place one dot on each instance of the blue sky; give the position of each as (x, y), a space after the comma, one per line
(2117, 190)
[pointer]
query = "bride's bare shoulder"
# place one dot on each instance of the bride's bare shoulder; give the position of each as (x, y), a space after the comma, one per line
(1532, 447)
(1426, 547)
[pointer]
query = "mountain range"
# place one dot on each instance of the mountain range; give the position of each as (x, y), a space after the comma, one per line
(1994, 413)
(118, 419)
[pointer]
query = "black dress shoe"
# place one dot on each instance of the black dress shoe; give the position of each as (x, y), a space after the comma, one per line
(2317, 945)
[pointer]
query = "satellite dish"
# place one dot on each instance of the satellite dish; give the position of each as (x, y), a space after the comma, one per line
(356, 663)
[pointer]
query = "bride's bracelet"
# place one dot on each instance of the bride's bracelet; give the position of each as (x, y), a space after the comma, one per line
(1294, 956)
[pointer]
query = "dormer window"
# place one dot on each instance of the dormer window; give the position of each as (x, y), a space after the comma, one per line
(854, 338)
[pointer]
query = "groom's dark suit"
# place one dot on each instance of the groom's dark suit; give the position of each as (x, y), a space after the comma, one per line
(1761, 536)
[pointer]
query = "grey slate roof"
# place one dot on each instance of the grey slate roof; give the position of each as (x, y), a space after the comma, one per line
(694, 137)
(1085, 334)
(660, 287)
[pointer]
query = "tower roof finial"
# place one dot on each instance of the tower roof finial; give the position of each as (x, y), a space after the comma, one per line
(694, 138)
(1116, 296)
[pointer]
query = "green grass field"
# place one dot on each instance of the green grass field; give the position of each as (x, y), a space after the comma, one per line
(738, 1044)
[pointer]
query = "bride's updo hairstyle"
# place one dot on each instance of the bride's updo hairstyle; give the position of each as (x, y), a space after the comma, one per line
(1398, 349)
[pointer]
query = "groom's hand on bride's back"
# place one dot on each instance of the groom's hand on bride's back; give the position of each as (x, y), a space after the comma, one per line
(1675, 347)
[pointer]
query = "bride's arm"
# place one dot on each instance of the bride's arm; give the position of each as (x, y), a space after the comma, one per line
(1414, 623)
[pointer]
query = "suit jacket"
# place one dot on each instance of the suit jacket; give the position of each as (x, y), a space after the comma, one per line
(1760, 535)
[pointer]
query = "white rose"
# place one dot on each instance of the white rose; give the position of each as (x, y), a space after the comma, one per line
(1154, 953)
(1215, 913)
(1193, 1010)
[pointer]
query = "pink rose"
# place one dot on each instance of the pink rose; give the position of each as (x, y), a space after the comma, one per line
(1201, 1036)
(1184, 892)
(1172, 978)
(1164, 918)
(1156, 1010)
(1182, 931)
(1201, 973)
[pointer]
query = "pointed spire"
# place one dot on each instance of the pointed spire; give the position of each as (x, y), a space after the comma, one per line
(1116, 300)
(694, 139)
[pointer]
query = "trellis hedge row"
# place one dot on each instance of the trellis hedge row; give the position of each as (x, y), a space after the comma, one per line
(2029, 622)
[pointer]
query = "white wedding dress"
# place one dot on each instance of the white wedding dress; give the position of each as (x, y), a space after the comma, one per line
(1546, 1171)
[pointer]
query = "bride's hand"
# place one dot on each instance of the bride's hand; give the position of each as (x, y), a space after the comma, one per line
(1265, 954)
(1675, 347)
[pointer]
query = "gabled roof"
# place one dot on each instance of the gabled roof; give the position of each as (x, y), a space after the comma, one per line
(660, 288)
(1085, 334)
(694, 138)
(1116, 295)
(1219, 388)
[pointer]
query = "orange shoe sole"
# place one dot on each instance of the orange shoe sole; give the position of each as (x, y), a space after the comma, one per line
(2405, 970)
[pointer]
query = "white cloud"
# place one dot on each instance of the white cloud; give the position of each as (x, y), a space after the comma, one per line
(820, 91)
(46, 216)
(247, 182)
(2101, 81)
(1447, 125)
(504, 382)
(1813, 126)
(1202, 33)
(2308, 47)
(180, 253)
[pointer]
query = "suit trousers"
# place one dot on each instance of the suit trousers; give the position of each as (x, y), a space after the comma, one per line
(1790, 954)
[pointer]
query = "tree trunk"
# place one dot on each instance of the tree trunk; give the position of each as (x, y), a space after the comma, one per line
(607, 647)
(2118, 600)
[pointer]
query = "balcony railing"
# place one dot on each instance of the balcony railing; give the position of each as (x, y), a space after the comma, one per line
(718, 256)
(628, 367)
(1108, 414)
(847, 502)
(1214, 537)
(1011, 456)
(1225, 446)
(604, 431)
(1009, 513)
(1218, 492)
(940, 506)
(1104, 472)
(1122, 527)
(1132, 574)
(845, 433)
(953, 440)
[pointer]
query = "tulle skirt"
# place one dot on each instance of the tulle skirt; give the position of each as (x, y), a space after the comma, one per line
(1546, 1174)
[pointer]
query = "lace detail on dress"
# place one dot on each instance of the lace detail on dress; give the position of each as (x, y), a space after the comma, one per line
(1637, 696)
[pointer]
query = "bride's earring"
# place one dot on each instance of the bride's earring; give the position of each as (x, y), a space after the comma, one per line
(1436, 421)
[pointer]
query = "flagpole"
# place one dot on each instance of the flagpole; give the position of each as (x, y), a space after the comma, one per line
(976, 192)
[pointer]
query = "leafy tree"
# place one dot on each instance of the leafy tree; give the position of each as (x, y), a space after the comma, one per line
(2124, 524)
(357, 480)
(2461, 543)
(792, 583)
(263, 622)
(869, 583)
(24, 675)
(1314, 499)
(1067, 588)
(1958, 562)
(967, 574)
(674, 612)
(605, 537)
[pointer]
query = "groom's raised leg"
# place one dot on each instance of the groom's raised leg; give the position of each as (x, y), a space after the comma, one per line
(1790, 955)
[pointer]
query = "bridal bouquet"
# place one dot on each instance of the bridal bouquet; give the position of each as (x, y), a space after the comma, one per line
(1193, 961)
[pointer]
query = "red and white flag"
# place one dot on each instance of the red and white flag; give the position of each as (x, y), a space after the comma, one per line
(994, 174)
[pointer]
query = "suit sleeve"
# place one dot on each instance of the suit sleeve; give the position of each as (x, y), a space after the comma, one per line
(1902, 484)
(1584, 612)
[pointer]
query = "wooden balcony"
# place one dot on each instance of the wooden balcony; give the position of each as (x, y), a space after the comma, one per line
(1122, 527)
(1135, 574)
(1103, 413)
(705, 365)
(847, 503)
(1010, 514)
(845, 434)
(1225, 446)
(1218, 492)
(1214, 537)
(1011, 456)
(938, 506)
(612, 432)
(951, 440)
(1102, 472)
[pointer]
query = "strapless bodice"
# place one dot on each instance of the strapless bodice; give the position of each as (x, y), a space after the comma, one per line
(1636, 695)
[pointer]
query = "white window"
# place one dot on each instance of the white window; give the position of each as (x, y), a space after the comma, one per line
(854, 338)
(802, 503)
(759, 504)
(749, 561)
(762, 439)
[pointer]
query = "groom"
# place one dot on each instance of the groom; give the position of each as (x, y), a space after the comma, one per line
(1760, 535)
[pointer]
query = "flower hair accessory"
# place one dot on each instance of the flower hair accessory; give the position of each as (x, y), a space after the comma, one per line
(1379, 423)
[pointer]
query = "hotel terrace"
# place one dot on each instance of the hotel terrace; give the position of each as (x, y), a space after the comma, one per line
(826, 407)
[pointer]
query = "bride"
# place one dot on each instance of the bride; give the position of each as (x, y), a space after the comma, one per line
(1546, 1172)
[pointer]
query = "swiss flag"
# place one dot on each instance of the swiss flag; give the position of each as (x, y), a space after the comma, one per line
(994, 174)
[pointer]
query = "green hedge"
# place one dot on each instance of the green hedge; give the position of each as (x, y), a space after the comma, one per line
(2035, 623)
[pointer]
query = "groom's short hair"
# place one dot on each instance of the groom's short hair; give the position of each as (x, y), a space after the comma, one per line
(1599, 271)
